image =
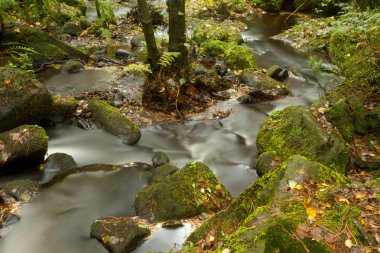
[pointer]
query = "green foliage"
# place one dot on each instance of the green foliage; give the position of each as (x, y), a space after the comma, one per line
(168, 58)
(220, 7)
(208, 30)
(268, 5)
(235, 56)
(106, 34)
(19, 55)
(138, 68)
(107, 16)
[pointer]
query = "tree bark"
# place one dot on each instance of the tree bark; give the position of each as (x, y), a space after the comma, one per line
(97, 6)
(146, 21)
(177, 30)
(1, 27)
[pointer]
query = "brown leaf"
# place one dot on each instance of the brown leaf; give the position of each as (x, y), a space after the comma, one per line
(331, 238)
(316, 233)
(360, 195)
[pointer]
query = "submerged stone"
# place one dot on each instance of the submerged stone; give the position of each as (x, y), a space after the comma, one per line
(72, 66)
(159, 158)
(115, 122)
(190, 191)
(22, 147)
(119, 234)
(59, 162)
(23, 99)
(295, 131)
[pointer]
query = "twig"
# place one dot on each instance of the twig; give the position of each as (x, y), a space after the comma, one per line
(295, 11)
(300, 240)
(362, 232)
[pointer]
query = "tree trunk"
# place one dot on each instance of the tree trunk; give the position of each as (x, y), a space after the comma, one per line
(97, 6)
(177, 30)
(1, 28)
(146, 21)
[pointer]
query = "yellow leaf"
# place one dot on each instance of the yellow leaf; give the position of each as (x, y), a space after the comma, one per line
(211, 4)
(311, 213)
(344, 200)
(360, 195)
(105, 239)
(26, 197)
(306, 202)
(327, 205)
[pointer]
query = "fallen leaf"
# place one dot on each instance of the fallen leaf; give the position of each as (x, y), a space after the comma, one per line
(348, 243)
(360, 195)
(331, 238)
(105, 239)
(298, 187)
(327, 205)
(26, 197)
(311, 213)
(344, 200)
(316, 233)
(292, 184)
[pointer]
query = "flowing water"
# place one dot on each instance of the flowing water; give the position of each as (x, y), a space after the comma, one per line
(59, 219)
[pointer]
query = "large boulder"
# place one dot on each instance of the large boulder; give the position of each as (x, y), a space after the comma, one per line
(22, 147)
(23, 99)
(190, 191)
(115, 122)
(119, 234)
(273, 188)
(294, 130)
(48, 48)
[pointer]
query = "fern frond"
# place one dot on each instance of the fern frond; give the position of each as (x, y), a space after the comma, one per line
(167, 59)
(138, 68)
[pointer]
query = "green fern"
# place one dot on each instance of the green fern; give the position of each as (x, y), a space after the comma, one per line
(167, 59)
(138, 68)
(20, 55)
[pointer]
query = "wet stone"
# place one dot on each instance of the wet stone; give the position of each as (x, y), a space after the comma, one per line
(59, 162)
(119, 234)
(21, 190)
(124, 54)
(245, 99)
(72, 66)
(159, 158)
(162, 171)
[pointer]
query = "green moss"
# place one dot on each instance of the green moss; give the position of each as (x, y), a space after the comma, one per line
(295, 131)
(225, 31)
(235, 56)
(114, 122)
(268, 5)
(188, 192)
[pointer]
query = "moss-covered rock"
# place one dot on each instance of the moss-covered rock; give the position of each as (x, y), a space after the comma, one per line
(267, 162)
(72, 66)
(119, 234)
(62, 109)
(21, 190)
(258, 198)
(22, 147)
(190, 191)
(163, 171)
(348, 115)
(47, 47)
(114, 122)
(23, 99)
(294, 130)
(79, 4)
(235, 56)
(373, 120)
(225, 31)
(72, 28)
(259, 80)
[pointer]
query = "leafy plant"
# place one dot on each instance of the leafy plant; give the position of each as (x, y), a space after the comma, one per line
(138, 68)
(19, 55)
(106, 34)
(168, 58)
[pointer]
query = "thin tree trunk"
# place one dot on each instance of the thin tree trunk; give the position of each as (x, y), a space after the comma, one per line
(1, 27)
(98, 12)
(146, 21)
(177, 30)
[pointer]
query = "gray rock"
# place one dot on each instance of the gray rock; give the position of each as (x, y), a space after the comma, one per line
(249, 78)
(72, 66)
(124, 54)
(59, 162)
(138, 40)
(245, 99)
(119, 234)
(199, 69)
(159, 158)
